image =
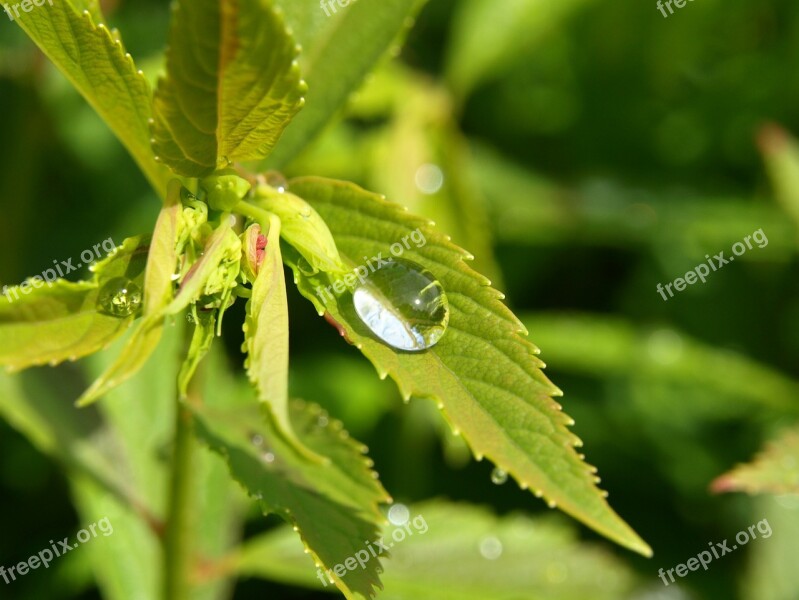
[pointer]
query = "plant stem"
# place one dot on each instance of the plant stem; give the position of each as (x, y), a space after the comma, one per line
(178, 539)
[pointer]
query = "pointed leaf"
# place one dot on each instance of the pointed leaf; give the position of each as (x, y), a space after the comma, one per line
(201, 341)
(775, 470)
(51, 324)
(94, 60)
(447, 550)
(340, 49)
(232, 85)
(482, 373)
(333, 505)
(158, 292)
(266, 337)
(302, 227)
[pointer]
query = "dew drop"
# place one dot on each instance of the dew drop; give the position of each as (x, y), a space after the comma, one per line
(498, 476)
(429, 179)
(120, 297)
(399, 514)
(268, 457)
(257, 440)
(404, 305)
(490, 548)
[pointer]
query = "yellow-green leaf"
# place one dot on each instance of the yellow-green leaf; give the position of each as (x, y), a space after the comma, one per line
(775, 470)
(333, 505)
(232, 85)
(53, 323)
(94, 60)
(483, 373)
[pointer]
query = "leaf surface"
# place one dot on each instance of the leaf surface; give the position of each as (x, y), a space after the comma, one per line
(483, 373)
(339, 51)
(232, 85)
(333, 505)
(94, 60)
(464, 552)
(61, 322)
(158, 292)
(775, 470)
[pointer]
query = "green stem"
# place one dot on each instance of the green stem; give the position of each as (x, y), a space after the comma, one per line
(253, 212)
(178, 536)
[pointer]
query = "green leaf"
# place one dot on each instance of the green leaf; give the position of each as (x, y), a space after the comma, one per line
(506, 412)
(339, 51)
(333, 505)
(51, 324)
(266, 337)
(464, 552)
(221, 243)
(302, 227)
(94, 60)
(158, 292)
(774, 471)
(232, 85)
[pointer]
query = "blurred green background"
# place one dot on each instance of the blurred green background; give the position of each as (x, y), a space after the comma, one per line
(584, 152)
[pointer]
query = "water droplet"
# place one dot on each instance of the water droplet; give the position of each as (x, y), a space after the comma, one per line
(399, 514)
(404, 305)
(120, 297)
(490, 548)
(322, 421)
(429, 179)
(498, 476)
(257, 440)
(276, 180)
(268, 457)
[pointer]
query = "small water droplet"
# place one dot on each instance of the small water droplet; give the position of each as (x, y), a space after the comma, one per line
(268, 457)
(490, 548)
(429, 179)
(498, 476)
(120, 297)
(276, 180)
(257, 440)
(399, 514)
(404, 305)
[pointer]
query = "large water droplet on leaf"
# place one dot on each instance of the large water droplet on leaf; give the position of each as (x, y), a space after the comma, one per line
(404, 305)
(120, 297)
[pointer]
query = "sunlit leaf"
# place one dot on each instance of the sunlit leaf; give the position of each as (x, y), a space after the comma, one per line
(266, 336)
(158, 292)
(341, 45)
(447, 551)
(50, 324)
(775, 470)
(94, 60)
(483, 373)
(334, 505)
(232, 85)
